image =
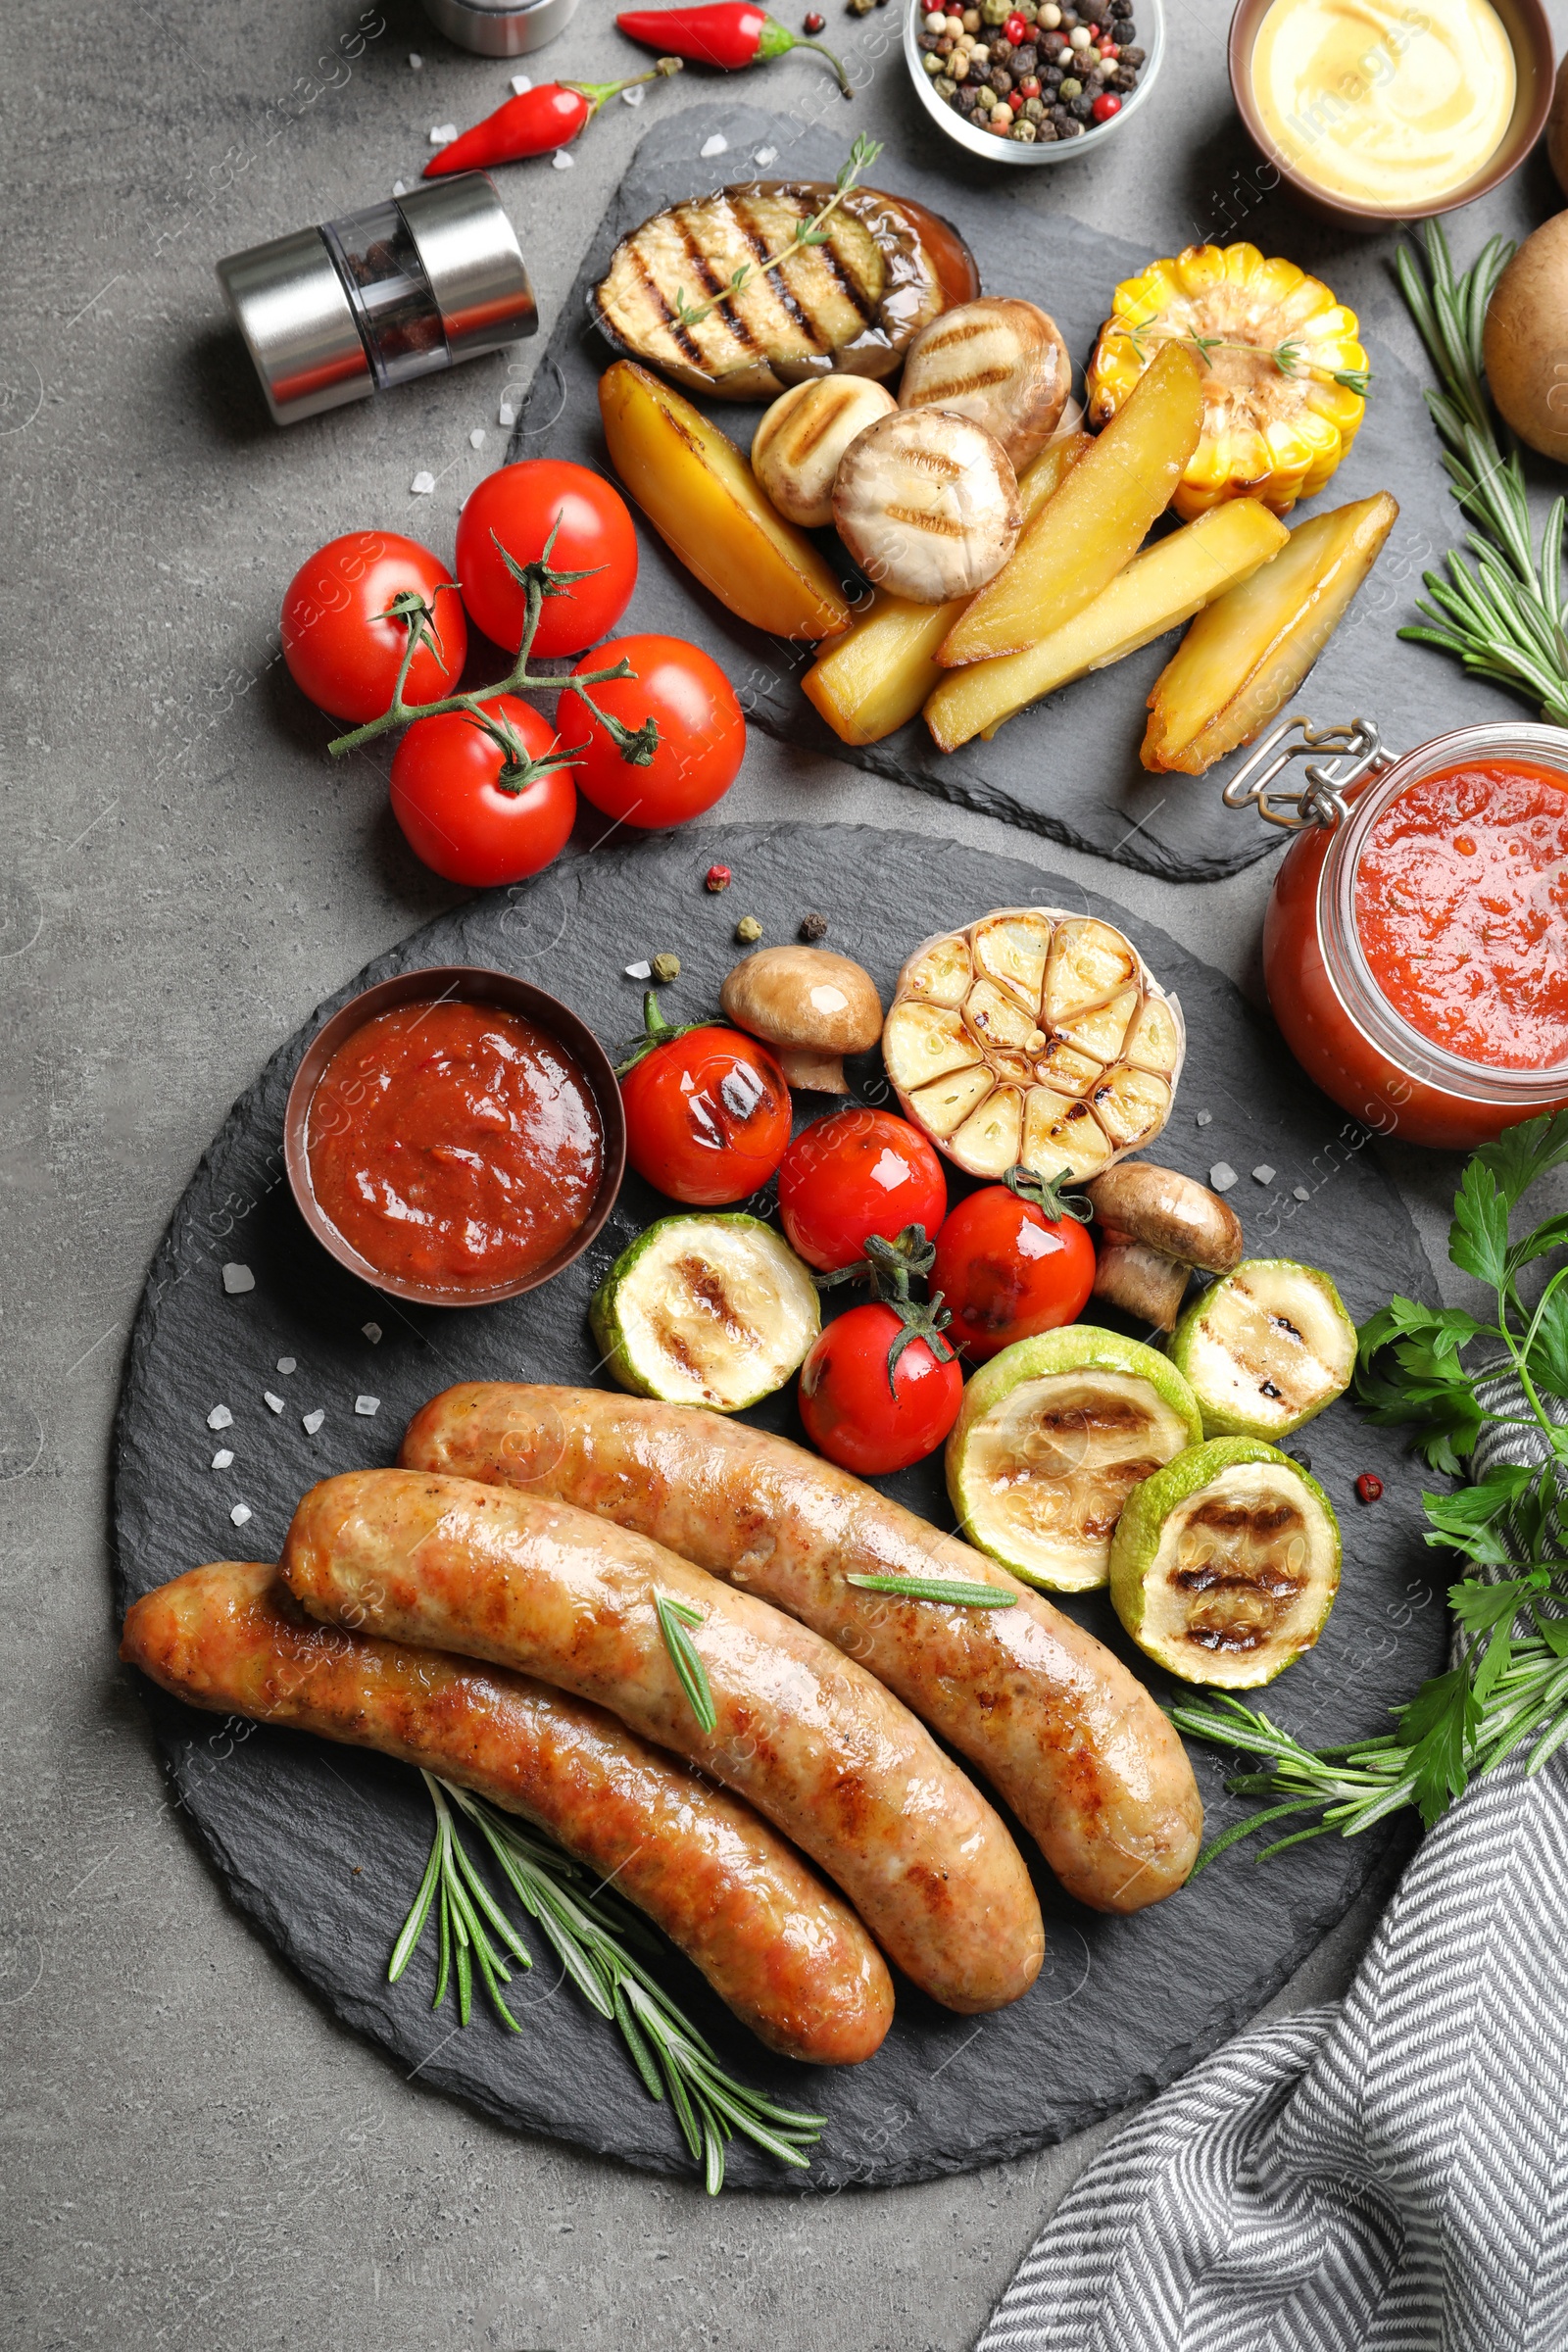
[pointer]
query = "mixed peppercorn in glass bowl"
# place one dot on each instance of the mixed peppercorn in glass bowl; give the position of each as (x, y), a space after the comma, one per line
(1031, 81)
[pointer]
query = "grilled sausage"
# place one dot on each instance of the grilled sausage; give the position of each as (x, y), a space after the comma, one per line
(1070, 1738)
(819, 1747)
(851, 304)
(781, 1949)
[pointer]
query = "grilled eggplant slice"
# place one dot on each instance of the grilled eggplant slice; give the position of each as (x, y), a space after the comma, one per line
(850, 306)
(705, 1310)
(1224, 1565)
(1266, 1349)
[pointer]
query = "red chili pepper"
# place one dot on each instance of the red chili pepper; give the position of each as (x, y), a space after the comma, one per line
(727, 33)
(536, 124)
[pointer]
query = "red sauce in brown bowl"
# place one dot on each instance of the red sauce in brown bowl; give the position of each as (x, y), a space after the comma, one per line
(453, 1148)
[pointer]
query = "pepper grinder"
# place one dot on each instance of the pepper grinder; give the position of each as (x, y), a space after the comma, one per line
(409, 286)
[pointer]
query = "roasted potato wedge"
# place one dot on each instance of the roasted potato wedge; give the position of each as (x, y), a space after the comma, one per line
(1076, 546)
(1158, 591)
(701, 497)
(877, 676)
(1246, 654)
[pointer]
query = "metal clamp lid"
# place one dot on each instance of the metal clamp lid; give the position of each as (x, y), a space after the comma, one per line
(1358, 749)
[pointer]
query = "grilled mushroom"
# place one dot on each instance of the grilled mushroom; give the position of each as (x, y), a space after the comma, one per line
(811, 1007)
(1155, 1227)
(927, 504)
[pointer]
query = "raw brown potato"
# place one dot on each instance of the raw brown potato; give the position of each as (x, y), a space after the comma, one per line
(1081, 541)
(1032, 1039)
(1158, 591)
(927, 504)
(700, 495)
(796, 447)
(1525, 340)
(1246, 654)
(999, 360)
(877, 676)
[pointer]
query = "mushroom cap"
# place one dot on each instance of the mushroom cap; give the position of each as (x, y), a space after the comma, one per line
(1169, 1213)
(804, 996)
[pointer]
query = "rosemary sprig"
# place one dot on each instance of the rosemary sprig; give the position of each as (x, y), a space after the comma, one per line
(955, 1590)
(862, 155)
(591, 1934)
(1512, 1686)
(1503, 618)
(674, 1616)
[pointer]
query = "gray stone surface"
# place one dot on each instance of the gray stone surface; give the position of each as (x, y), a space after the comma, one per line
(194, 2153)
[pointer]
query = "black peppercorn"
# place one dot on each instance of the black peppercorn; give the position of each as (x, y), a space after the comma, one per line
(814, 926)
(1070, 130)
(1126, 78)
(1125, 32)
(1083, 108)
(1024, 60)
(1130, 57)
(1060, 117)
(1001, 81)
(927, 41)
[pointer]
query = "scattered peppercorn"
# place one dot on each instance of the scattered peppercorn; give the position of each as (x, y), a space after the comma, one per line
(748, 930)
(814, 926)
(717, 877)
(1300, 1456)
(664, 969)
(815, 24)
(1105, 106)
(1369, 1487)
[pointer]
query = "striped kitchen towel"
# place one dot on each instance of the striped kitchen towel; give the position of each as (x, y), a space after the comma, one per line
(1386, 2176)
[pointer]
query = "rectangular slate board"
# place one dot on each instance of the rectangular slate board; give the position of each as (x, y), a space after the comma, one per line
(1069, 768)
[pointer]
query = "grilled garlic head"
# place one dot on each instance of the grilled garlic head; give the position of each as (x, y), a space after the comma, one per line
(999, 360)
(927, 504)
(1034, 1038)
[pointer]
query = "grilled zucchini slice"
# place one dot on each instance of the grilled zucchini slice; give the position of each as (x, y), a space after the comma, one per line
(1225, 1565)
(1266, 1349)
(714, 1310)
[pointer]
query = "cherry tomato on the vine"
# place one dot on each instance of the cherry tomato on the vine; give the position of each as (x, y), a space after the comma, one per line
(853, 1174)
(701, 734)
(521, 506)
(467, 801)
(1007, 1271)
(341, 647)
(850, 1412)
(707, 1116)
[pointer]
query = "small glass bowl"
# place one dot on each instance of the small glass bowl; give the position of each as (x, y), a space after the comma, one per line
(1150, 22)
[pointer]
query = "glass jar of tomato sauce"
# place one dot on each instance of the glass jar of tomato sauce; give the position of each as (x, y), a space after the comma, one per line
(1415, 947)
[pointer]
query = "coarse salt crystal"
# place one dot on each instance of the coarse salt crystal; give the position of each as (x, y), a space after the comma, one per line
(442, 135)
(373, 1332)
(222, 1458)
(312, 1422)
(1300, 1193)
(367, 1405)
(507, 415)
(562, 161)
(240, 1513)
(400, 188)
(1262, 1173)
(285, 1364)
(238, 1279)
(766, 155)
(416, 59)
(477, 437)
(716, 145)
(640, 971)
(521, 84)
(220, 1417)
(422, 485)
(275, 1404)
(1221, 1176)
(1205, 1118)
(633, 97)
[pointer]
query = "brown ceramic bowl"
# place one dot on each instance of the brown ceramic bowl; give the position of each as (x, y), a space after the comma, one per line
(474, 985)
(1528, 30)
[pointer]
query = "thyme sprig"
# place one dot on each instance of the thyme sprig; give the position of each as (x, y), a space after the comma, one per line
(593, 1936)
(807, 234)
(1503, 616)
(1511, 1685)
(1290, 356)
(537, 580)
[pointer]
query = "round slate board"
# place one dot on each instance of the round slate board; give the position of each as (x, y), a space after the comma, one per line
(324, 1846)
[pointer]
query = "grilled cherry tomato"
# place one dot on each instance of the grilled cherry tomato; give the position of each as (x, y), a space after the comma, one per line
(853, 1174)
(478, 801)
(1006, 1270)
(343, 641)
(851, 1413)
(521, 506)
(678, 697)
(708, 1113)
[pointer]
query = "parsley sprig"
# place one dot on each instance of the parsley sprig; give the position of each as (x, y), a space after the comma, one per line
(1512, 1684)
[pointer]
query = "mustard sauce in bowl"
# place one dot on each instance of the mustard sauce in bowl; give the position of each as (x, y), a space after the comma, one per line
(1388, 108)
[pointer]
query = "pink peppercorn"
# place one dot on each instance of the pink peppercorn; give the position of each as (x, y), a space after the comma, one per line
(1369, 1487)
(1106, 105)
(717, 877)
(1017, 31)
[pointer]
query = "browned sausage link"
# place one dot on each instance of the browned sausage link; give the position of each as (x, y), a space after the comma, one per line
(819, 1747)
(783, 1950)
(1071, 1739)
